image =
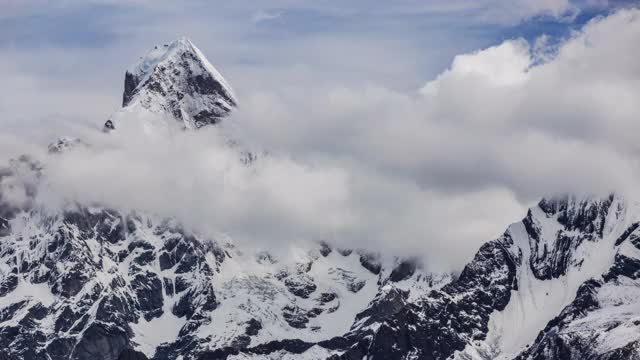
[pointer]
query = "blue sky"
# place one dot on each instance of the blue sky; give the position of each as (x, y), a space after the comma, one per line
(427, 34)
(72, 54)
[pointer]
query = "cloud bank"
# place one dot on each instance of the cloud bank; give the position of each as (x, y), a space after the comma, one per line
(435, 172)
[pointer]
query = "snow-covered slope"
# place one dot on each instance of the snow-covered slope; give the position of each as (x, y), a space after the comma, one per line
(563, 242)
(91, 282)
(603, 321)
(517, 285)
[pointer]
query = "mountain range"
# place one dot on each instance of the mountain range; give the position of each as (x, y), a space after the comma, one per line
(93, 282)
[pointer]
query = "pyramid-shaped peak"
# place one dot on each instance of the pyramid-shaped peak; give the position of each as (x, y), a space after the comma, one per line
(177, 80)
(163, 52)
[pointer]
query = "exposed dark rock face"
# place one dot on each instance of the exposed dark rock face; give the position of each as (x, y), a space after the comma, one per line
(265, 258)
(129, 354)
(295, 317)
(551, 259)
(131, 82)
(325, 249)
(5, 227)
(108, 126)
(91, 315)
(403, 271)
(371, 262)
(8, 283)
(253, 327)
(443, 322)
(148, 289)
(603, 304)
(65, 144)
(195, 300)
(101, 341)
(585, 215)
(326, 297)
(300, 286)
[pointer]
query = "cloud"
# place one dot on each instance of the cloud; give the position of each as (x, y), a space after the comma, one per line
(496, 130)
(498, 66)
(513, 11)
(197, 178)
(262, 16)
(278, 201)
(462, 131)
(436, 171)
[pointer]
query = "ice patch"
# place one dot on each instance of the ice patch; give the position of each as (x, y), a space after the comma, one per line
(29, 291)
(150, 334)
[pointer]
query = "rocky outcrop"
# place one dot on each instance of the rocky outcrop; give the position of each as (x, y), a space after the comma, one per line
(601, 323)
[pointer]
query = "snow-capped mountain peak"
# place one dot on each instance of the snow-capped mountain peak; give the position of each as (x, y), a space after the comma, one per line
(177, 82)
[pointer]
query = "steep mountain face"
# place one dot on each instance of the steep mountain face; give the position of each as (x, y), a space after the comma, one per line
(75, 281)
(563, 243)
(91, 282)
(603, 321)
(175, 80)
(442, 321)
(96, 283)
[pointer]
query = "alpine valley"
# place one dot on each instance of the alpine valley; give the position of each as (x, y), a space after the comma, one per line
(92, 282)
